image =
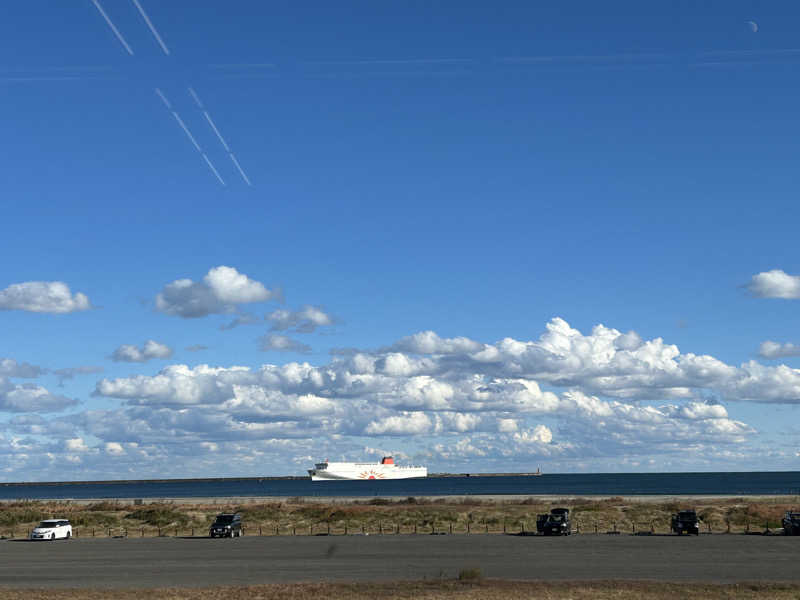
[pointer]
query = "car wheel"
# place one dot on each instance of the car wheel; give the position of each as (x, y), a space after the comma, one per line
(69, 534)
(52, 537)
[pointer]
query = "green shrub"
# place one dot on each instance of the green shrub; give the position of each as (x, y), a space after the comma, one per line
(159, 516)
(472, 574)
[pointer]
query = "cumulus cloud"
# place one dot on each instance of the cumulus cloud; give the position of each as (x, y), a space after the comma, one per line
(114, 448)
(43, 297)
(221, 290)
(11, 368)
(428, 342)
(27, 397)
(775, 284)
(770, 349)
(305, 320)
(71, 372)
(566, 396)
(75, 445)
(149, 350)
(283, 343)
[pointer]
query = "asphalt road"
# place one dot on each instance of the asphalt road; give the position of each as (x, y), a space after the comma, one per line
(159, 562)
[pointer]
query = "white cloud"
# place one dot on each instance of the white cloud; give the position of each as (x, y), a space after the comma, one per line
(11, 368)
(22, 398)
(770, 349)
(305, 320)
(151, 349)
(775, 284)
(114, 448)
(221, 291)
(43, 297)
(283, 343)
(76, 445)
(427, 342)
(567, 396)
(412, 423)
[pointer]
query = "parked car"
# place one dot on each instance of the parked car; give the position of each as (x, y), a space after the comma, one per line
(791, 523)
(226, 525)
(686, 521)
(52, 529)
(556, 523)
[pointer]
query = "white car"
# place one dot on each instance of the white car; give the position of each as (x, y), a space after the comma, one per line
(52, 529)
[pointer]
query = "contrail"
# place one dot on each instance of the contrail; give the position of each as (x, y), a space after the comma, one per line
(188, 133)
(196, 97)
(186, 129)
(238, 166)
(210, 166)
(199, 103)
(113, 28)
(164, 99)
(214, 127)
(151, 26)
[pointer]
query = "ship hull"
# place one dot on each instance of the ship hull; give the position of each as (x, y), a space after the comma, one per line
(365, 472)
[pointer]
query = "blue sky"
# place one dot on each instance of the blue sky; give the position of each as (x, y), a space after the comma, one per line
(524, 173)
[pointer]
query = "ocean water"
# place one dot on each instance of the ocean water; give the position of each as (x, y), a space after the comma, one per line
(607, 484)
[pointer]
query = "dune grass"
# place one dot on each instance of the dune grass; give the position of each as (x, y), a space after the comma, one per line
(404, 515)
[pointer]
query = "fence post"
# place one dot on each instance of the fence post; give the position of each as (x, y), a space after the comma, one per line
(142, 532)
(468, 527)
(595, 526)
(415, 527)
(294, 529)
(345, 527)
(92, 531)
(398, 529)
(633, 527)
(277, 529)
(487, 527)
(728, 530)
(523, 527)
(504, 524)
(329, 527)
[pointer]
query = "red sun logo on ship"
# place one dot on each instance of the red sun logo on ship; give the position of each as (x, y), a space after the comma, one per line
(371, 475)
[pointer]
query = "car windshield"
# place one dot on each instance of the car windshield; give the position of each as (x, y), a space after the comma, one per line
(48, 524)
(224, 520)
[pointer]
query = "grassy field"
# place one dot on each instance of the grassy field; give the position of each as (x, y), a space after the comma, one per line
(386, 516)
(445, 590)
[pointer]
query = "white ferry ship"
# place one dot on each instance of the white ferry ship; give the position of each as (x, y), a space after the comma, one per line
(386, 469)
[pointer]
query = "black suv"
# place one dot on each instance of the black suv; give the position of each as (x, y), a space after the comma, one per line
(226, 525)
(686, 521)
(791, 523)
(556, 523)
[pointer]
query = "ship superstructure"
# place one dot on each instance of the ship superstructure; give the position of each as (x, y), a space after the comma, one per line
(386, 469)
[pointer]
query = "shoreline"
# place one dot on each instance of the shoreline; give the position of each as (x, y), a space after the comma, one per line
(445, 499)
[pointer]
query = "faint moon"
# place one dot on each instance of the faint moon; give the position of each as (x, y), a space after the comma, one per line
(753, 26)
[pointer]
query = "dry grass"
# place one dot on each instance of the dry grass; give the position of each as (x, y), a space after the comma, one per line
(445, 590)
(392, 515)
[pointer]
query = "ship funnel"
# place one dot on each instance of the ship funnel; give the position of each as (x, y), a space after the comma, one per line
(387, 460)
